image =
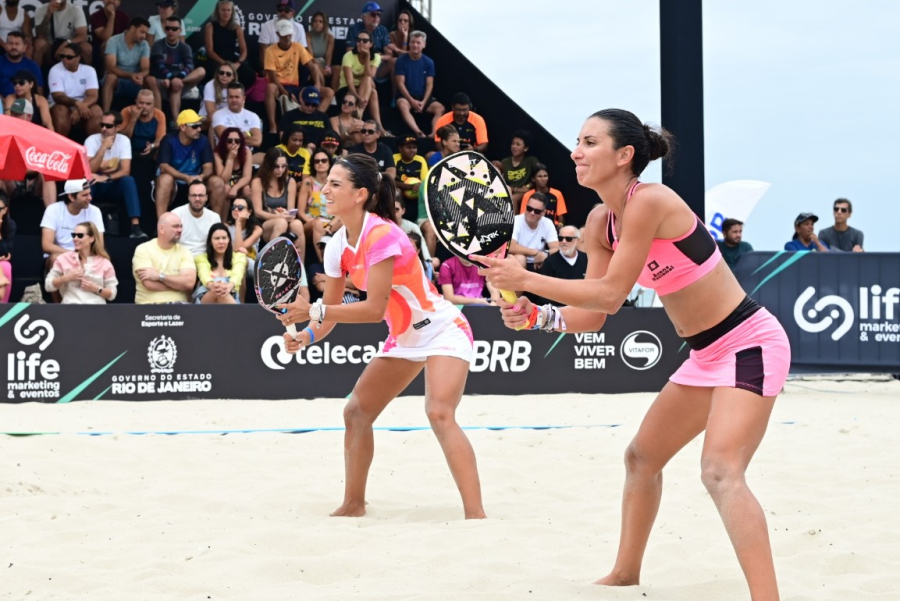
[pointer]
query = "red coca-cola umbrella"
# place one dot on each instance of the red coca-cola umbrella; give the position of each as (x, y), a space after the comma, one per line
(25, 147)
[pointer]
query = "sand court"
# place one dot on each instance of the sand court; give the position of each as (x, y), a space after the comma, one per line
(244, 515)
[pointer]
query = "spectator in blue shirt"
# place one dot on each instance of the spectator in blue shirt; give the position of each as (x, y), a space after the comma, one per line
(14, 61)
(805, 235)
(414, 76)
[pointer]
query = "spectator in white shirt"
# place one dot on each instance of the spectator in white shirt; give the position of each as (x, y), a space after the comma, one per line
(534, 236)
(235, 115)
(61, 218)
(196, 219)
(58, 24)
(285, 9)
(74, 93)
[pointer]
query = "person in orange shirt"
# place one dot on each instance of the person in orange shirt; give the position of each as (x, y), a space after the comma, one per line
(556, 204)
(282, 65)
(470, 125)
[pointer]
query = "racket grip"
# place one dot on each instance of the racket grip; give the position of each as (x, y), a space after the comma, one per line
(292, 330)
(508, 296)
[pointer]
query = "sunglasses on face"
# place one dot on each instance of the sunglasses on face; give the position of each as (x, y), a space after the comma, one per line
(363, 41)
(107, 126)
(568, 238)
(78, 235)
(20, 82)
(534, 210)
(368, 132)
(375, 15)
(841, 210)
(349, 103)
(284, 9)
(68, 57)
(233, 141)
(173, 28)
(226, 73)
(318, 161)
(238, 207)
(194, 125)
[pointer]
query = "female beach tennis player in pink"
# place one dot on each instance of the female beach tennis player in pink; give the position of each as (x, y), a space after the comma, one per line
(739, 355)
(426, 331)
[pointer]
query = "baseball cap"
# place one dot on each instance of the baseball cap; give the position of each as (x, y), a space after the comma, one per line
(188, 117)
(330, 137)
(166, 3)
(74, 186)
(287, 4)
(22, 106)
(284, 27)
(408, 139)
(371, 7)
(310, 95)
(803, 217)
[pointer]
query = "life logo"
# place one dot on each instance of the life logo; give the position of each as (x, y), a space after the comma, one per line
(839, 306)
(641, 350)
(29, 375)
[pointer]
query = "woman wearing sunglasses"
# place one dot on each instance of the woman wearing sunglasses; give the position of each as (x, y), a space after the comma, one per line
(358, 69)
(348, 123)
(274, 195)
(234, 163)
(317, 221)
(84, 276)
(23, 87)
(215, 91)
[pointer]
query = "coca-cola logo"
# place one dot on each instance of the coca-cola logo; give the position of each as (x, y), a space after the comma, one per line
(51, 161)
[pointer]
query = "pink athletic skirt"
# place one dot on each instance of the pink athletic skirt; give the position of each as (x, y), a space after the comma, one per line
(754, 356)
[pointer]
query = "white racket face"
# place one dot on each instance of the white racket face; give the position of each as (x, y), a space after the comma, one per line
(469, 205)
(278, 274)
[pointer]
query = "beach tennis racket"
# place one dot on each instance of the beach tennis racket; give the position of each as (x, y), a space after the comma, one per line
(470, 207)
(279, 271)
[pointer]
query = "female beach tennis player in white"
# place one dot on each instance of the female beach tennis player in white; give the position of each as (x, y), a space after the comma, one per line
(426, 331)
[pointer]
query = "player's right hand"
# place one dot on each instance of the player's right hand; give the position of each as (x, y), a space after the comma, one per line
(291, 346)
(516, 314)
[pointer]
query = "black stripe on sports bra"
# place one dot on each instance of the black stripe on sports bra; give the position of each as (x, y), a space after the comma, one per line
(698, 246)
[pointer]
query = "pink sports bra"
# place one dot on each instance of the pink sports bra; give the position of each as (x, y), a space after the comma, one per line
(674, 263)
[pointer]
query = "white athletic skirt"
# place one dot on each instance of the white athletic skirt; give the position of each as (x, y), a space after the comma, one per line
(455, 341)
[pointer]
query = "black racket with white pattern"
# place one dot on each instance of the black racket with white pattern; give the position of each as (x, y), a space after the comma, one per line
(279, 273)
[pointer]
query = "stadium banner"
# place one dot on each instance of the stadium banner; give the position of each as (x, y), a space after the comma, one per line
(841, 310)
(62, 353)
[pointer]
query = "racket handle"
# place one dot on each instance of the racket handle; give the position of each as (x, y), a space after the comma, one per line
(292, 330)
(508, 296)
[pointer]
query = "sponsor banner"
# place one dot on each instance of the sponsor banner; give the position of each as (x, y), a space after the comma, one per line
(62, 353)
(841, 310)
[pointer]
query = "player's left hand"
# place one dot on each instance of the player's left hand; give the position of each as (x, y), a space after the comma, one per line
(502, 274)
(295, 312)
(515, 314)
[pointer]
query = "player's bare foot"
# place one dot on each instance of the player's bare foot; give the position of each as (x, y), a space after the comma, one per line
(350, 510)
(614, 579)
(476, 515)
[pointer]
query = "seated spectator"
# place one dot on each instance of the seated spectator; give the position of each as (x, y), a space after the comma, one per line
(358, 68)
(805, 235)
(567, 264)
(313, 121)
(61, 217)
(448, 143)
(245, 230)
(282, 66)
(235, 115)
(274, 196)
(127, 62)
(416, 240)
(7, 242)
(164, 270)
(320, 44)
(556, 203)
(183, 158)
(106, 22)
(14, 62)
(371, 26)
(144, 125)
(234, 163)
(24, 87)
(414, 79)
(330, 142)
(172, 64)
(297, 155)
(518, 168)
(841, 236)
(375, 149)
(220, 270)
(215, 92)
(34, 184)
(460, 283)
(74, 92)
(411, 228)
(469, 125)
(317, 222)
(224, 41)
(109, 153)
(732, 246)
(14, 18)
(348, 123)
(196, 219)
(268, 34)
(411, 169)
(84, 276)
(164, 10)
(59, 26)
(534, 236)
(400, 35)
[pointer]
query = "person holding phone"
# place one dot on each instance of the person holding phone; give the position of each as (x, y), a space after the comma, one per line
(274, 196)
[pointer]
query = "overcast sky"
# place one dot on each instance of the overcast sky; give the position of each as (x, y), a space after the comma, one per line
(804, 95)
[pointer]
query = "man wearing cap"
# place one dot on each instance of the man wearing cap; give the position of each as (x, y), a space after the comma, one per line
(57, 25)
(128, 65)
(282, 61)
(61, 217)
(381, 39)
(164, 9)
(414, 76)
(109, 153)
(410, 167)
(313, 121)
(172, 64)
(164, 270)
(375, 149)
(805, 235)
(235, 115)
(268, 34)
(106, 22)
(841, 236)
(22, 108)
(183, 158)
(330, 142)
(75, 93)
(14, 61)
